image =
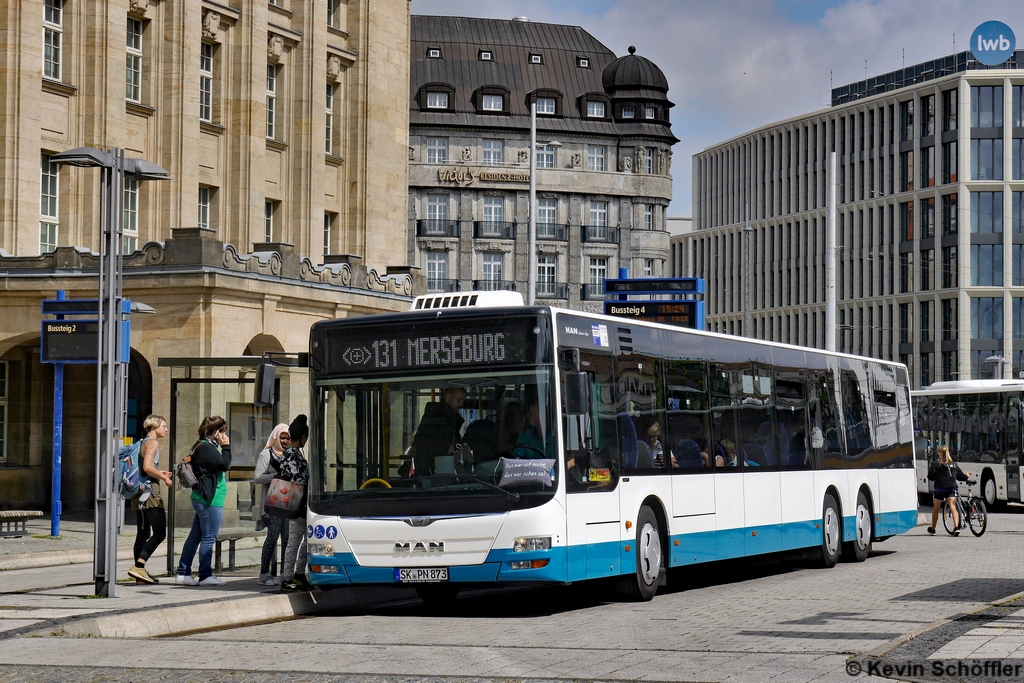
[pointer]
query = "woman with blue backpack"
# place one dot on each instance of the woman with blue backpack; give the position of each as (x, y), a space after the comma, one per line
(210, 459)
(150, 516)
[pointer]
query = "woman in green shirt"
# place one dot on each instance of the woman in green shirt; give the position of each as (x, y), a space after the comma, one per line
(211, 458)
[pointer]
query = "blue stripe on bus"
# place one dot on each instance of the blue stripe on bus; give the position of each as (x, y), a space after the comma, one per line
(580, 562)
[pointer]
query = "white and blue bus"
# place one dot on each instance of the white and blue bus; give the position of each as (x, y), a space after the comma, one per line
(468, 443)
(981, 422)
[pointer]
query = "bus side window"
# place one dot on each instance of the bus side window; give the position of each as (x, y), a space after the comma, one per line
(597, 465)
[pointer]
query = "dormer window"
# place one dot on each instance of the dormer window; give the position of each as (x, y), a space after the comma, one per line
(434, 53)
(546, 105)
(583, 62)
(535, 58)
(491, 99)
(548, 101)
(492, 103)
(436, 97)
(628, 112)
(595, 110)
(486, 56)
(649, 112)
(437, 100)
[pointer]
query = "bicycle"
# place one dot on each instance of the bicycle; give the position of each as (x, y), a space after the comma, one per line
(972, 512)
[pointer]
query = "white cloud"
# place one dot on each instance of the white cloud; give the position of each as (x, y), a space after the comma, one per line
(736, 65)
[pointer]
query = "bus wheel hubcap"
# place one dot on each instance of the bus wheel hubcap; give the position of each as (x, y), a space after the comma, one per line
(863, 527)
(831, 531)
(650, 554)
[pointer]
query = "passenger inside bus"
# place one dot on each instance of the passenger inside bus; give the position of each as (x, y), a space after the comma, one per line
(513, 418)
(439, 431)
(726, 454)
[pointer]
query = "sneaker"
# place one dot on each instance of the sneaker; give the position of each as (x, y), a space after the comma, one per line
(291, 586)
(304, 582)
(956, 533)
(186, 580)
(931, 531)
(267, 580)
(141, 575)
(211, 581)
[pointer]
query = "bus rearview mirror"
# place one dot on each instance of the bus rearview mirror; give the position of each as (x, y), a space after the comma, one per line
(577, 393)
(264, 394)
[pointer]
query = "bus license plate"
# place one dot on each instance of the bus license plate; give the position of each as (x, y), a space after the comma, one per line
(429, 575)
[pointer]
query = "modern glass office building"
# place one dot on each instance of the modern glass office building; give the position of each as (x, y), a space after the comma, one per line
(929, 224)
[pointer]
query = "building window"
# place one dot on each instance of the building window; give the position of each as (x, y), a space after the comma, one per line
(1018, 319)
(269, 209)
(133, 61)
(48, 189)
(53, 34)
(546, 275)
(492, 267)
(648, 267)
(648, 217)
(949, 105)
(950, 322)
(927, 218)
(546, 157)
(598, 270)
(949, 267)
(583, 62)
(926, 321)
(987, 318)
(437, 100)
(1017, 150)
(649, 161)
(927, 269)
(536, 58)
(204, 206)
(628, 112)
(492, 103)
(597, 228)
(546, 105)
(986, 212)
(329, 120)
(986, 159)
(906, 221)
(986, 265)
(927, 116)
(206, 82)
(1017, 266)
(492, 152)
(130, 236)
(986, 106)
(329, 219)
(486, 56)
(926, 369)
(547, 213)
(907, 120)
(927, 167)
(437, 211)
(649, 112)
(437, 150)
(595, 158)
(437, 271)
(595, 110)
(949, 217)
(494, 212)
(271, 101)
(906, 171)
(950, 162)
(906, 272)
(905, 332)
(434, 53)
(332, 13)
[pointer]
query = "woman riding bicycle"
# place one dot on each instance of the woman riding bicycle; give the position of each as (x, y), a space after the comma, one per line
(945, 473)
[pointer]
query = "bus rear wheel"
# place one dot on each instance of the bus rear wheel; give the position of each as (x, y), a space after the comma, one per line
(831, 532)
(860, 547)
(642, 584)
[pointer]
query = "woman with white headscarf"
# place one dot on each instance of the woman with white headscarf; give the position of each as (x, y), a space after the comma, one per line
(276, 526)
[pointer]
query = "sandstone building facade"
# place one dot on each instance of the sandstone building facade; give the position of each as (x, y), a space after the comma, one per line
(284, 128)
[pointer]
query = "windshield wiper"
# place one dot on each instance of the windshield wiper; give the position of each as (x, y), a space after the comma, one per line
(511, 495)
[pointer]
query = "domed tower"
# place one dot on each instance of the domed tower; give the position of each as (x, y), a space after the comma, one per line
(638, 91)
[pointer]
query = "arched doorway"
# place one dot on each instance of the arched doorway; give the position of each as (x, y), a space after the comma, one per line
(140, 395)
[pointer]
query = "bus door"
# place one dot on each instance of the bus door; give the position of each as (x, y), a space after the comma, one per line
(592, 464)
(1013, 441)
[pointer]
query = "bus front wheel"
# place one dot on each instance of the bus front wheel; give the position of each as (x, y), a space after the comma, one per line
(988, 491)
(642, 584)
(831, 532)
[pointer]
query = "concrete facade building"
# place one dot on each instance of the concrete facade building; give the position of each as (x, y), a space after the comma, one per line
(604, 140)
(929, 227)
(284, 128)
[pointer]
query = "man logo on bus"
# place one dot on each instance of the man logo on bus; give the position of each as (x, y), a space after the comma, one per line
(992, 43)
(418, 547)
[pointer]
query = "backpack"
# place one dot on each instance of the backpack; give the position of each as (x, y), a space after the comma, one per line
(129, 470)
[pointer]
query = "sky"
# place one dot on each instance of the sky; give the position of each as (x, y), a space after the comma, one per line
(735, 66)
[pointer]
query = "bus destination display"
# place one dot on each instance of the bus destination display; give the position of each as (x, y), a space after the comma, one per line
(681, 313)
(69, 340)
(426, 346)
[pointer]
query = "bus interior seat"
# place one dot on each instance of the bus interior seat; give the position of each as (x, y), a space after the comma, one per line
(644, 461)
(766, 440)
(482, 437)
(719, 452)
(687, 453)
(783, 444)
(754, 455)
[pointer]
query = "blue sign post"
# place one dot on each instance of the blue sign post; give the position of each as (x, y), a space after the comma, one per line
(993, 43)
(71, 341)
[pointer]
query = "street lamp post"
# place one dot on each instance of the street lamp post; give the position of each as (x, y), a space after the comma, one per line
(531, 260)
(111, 371)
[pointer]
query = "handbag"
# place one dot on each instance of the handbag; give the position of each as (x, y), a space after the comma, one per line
(284, 498)
(183, 470)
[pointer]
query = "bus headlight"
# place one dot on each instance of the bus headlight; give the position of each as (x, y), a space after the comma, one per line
(535, 543)
(324, 549)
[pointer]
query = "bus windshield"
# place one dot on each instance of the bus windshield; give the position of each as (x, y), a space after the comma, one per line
(474, 442)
